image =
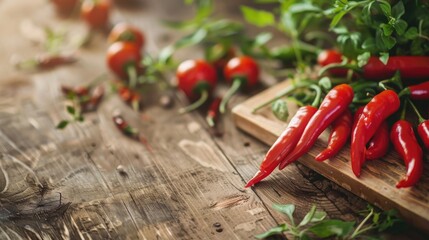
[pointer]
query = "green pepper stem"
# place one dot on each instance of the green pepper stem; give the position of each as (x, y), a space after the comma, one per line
(326, 68)
(132, 74)
(203, 98)
(404, 110)
(210, 121)
(283, 93)
(318, 96)
(421, 118)
(236, 85)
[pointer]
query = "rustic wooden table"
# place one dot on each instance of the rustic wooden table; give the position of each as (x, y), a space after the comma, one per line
(66, 184)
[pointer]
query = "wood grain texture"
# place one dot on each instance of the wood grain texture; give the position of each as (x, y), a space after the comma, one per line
(377, 182)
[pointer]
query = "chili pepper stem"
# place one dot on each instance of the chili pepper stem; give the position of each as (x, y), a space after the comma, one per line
(419, 116)
(203, 98)
(236, 85)
(210, 121)
(132, 74)
(326, 68)
(318, 96)
(404, 110)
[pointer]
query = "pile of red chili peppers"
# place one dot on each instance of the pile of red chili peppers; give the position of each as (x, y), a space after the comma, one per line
(379, 119)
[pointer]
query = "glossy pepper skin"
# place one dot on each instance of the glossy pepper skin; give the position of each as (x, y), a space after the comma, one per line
(196, 76)
(418, 91)
(411, 67)
(405, 143)
(423, 131)
(284, 144)
(378, 146)
(340, 133)
(333, 105)
(375, 112)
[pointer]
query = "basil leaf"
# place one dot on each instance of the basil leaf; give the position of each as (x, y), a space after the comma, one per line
(273, 231)
(363, 58)
(332, 228)
(384, 57)
(385, 7)
(398, 10)
(307, 218)
(387, 29)
(280, 110)
(400, 26)
(411, 33)
(259, 18)
(388, 41)
(318, 216)
(287, 209)
(71, 110)
(63, 124)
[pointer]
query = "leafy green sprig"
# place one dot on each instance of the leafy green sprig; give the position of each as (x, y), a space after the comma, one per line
(315, 225)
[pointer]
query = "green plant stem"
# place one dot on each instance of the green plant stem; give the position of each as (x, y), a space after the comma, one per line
(236, 85)
(203, 98)
(357, 230)
(419, 116)
(318, 96)
(132, 74)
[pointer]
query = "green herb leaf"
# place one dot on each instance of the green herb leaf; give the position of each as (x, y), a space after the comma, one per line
(307, 218)
(400, 26)
(385, 7)
(63, 124)
(192, 39)
(337, 19)
(71, 110)
(287, 209)
(319, 216)
(325, 83)
(411, 33)
(387, 29)
(280, 109)
(330, 228)
(273, 231)
(398, 10)
(363, 58)
(259, 18)
(384, 57)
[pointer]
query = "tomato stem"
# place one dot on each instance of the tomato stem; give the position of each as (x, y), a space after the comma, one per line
(236, 85)
(132, 75)
(203, 98)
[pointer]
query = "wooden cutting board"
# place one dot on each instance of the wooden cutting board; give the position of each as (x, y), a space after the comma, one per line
(378, 178)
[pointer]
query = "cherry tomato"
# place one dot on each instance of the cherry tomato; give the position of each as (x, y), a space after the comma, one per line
(195, 77)
(241, 72)
(327, 57)
(123, 32)
(244, 68)
(64, 7)
(121, 56)
(96, 13)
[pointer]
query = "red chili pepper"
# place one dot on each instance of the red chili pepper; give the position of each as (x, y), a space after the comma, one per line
(417, 92)
(423, 130)
(375, 112)
(123, 32)
(378, 146)
(240, 72)
(78, 91)
(284, 144)
(197, 79)
(94, 100)
(340, 133)
(405, 143)
(213, 112)
(96, 13)
(129, 96)
(129, 131)
(333, 105)
(411, 67)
